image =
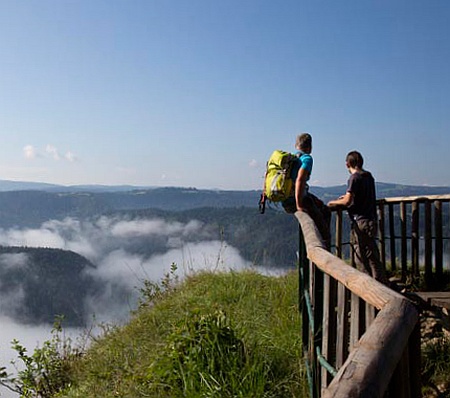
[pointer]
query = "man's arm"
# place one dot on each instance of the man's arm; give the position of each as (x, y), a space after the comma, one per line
(300, 184)
(345, 200)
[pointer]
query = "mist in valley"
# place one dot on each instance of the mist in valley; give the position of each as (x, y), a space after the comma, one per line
(124, 252)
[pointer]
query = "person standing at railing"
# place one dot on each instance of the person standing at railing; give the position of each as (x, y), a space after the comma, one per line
(303, 200)
(360, 201)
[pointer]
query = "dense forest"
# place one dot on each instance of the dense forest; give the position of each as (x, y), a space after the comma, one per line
(37, 283)
(32, 208)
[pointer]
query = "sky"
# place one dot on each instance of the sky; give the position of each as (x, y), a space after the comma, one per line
(199, 93)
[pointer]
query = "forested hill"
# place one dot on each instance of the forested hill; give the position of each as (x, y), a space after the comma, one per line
(33, 207)
(37, 284)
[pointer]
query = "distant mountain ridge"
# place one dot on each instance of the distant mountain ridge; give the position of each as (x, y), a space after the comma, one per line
(42, 202)
(8, 185)
(383, 189)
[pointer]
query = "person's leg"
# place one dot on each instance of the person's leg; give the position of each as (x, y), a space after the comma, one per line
(289, 205)
(367, 231)
(320, 216)
(357, 250)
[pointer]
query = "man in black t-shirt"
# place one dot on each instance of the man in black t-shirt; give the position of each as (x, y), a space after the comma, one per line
(360, 200)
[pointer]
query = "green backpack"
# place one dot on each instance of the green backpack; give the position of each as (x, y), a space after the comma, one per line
(278, 185)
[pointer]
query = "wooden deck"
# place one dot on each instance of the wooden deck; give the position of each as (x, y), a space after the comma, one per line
(436, 299)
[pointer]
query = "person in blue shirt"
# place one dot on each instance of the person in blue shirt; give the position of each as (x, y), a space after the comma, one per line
(303, 200)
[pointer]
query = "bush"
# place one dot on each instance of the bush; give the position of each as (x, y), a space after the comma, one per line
(45, 372)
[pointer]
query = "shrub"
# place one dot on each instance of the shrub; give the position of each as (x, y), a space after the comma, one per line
(45, 372)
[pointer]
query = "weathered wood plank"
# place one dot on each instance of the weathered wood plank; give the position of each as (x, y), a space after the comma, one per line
(410, 199)
(381, 233)
(338, 242)
(428, 245)
(438, 299)
(392, 236)
(438, 243)
(415, 238)
(329, 324)
(342, 327)
(404, 244)
(369, 368)
(359, 283)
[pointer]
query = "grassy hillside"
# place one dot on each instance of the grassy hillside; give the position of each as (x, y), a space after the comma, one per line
(214, 335)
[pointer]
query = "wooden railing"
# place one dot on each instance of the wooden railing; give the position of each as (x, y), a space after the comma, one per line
(414, 236)
(360, 338)
(349, 351)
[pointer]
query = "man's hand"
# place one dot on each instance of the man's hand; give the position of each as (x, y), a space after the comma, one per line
(344, 200)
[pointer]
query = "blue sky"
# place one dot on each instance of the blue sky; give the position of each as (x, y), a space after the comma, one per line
(198, 93)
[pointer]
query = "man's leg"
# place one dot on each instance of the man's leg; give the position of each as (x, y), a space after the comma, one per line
(321, 216)
(289, 205)
(357, 250)
(366, 231)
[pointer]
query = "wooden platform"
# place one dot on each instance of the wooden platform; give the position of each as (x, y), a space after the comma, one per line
(437, 299)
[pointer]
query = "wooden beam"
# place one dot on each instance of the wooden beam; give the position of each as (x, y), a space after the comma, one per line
(438, 244)
(428, 246)
(392, 236)
(410, 199)
(363, 285)
(370, 366)
(382, 234)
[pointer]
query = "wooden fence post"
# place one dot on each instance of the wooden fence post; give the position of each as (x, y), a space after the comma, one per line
(415, 238)
(428, 246)
(392, 237)
(438, 243)
(404, 241)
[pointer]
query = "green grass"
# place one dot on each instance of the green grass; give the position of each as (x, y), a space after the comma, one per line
(214, 335)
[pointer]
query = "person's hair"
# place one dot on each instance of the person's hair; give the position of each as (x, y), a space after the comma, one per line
(355, 159)
(303, 141)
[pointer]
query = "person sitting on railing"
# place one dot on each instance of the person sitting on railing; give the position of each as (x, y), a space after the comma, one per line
(360, 201)
(303, 200)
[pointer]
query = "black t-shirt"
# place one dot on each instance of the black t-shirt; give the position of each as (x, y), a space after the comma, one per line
(362, 186)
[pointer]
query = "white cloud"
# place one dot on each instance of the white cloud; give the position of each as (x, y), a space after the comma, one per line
(70, 156)
(52, 151)
(153, 227)
(253, 163)
(111, 242)
(29, 152)
(32, 238)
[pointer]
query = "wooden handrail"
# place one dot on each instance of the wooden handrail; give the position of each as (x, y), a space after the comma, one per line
(369, 367)
(413, 237)
(410, 199)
